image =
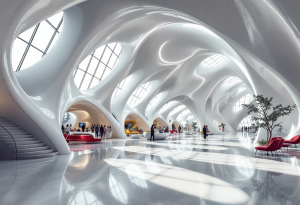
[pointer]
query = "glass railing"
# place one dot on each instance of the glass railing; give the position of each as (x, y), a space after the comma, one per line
(8, 146)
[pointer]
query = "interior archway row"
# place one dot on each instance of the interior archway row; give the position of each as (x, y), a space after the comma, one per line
(158, 74)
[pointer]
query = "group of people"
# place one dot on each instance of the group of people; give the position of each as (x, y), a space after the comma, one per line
(102, 130)
(162, 129)
(246, 129)
(205, 131)
(67, 129)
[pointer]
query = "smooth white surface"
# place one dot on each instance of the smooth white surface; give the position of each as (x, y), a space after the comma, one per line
(163, 43)
(157, 136)
(189, 170)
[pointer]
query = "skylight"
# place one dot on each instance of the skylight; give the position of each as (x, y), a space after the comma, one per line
(243, 100)
(230, 81)
(120, 86)
(213, 60)
(154, 100)
(139, 94)
(33, 44)
(97, 66)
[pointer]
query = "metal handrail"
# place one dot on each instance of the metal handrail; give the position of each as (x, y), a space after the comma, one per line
(13, 140)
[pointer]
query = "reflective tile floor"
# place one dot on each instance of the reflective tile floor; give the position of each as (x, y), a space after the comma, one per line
(179, 170)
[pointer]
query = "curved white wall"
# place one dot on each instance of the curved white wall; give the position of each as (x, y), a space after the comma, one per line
(161, 45)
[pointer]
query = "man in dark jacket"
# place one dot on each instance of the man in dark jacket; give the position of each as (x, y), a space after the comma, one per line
(83, 127)
(101, 131)
(96, 131)
(204, 132)
(152, 133)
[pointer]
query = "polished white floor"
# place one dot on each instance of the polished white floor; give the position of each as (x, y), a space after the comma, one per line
(179, 170)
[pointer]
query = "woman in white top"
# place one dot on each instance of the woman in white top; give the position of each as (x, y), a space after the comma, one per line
(68, 129)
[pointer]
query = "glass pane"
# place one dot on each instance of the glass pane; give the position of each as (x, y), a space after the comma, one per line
(17, 52)
(43, 36)
(106, 73)
(94, 82)
(99, 51)
(118, 49)
(78, 77)
(100, 70)
(32, 57)
(27, 34)
(53, 41)
(93, 66)
(84, 64)
(106, 56)
(111, 45)
(112, 61)
(86, 81)
(55, 19)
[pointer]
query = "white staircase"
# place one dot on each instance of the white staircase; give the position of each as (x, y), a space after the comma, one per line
(20, 144)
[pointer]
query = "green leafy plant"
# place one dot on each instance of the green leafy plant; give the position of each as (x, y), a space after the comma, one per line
(267, 113)
(222, 125)
(262, 142)
(194, 125)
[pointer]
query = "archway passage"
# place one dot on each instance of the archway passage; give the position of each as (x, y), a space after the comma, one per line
(188, 127)
(175, 126)
(158, 122)
(135, 125)
(88, 114)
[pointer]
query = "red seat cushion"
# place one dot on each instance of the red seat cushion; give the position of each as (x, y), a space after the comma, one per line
(271, 147)
(261, 147)
(274, 138)
(89, 138)
(294, 140)
(74, 138)
(285, 145)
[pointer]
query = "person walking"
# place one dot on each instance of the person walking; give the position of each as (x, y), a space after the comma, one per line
(104, 131)
(83, 127)
(68, 130)
(96, 131)
(101, 131)
(179, 129)
(152, 133)
(93, 128)
(204, 132)
(63, 129)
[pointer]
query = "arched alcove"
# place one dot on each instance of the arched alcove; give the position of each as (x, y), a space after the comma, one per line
(140, 124)
(90, 114)
(160, 122)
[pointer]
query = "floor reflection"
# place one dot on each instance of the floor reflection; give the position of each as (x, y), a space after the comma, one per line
(179, 170)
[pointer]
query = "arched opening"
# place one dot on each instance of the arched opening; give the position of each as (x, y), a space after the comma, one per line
(88, 114)
(175, 125)
(134, 125)
(158, 122)
(188, 127)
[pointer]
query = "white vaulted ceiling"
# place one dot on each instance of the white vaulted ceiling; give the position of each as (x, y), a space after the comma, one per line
(178, 61)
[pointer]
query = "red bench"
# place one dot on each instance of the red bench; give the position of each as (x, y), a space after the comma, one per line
(273, 146)
(172, 131)
(81, 138)
(74, 138)
(295, 140)
(89, 138)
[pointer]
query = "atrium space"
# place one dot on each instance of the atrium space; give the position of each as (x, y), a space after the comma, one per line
(149, 102)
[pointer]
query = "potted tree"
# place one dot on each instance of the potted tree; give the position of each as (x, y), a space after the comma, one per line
(194, 125)
(267, 113)
(223, 126)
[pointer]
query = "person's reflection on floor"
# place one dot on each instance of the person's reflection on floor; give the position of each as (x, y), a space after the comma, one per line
(152, 157)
